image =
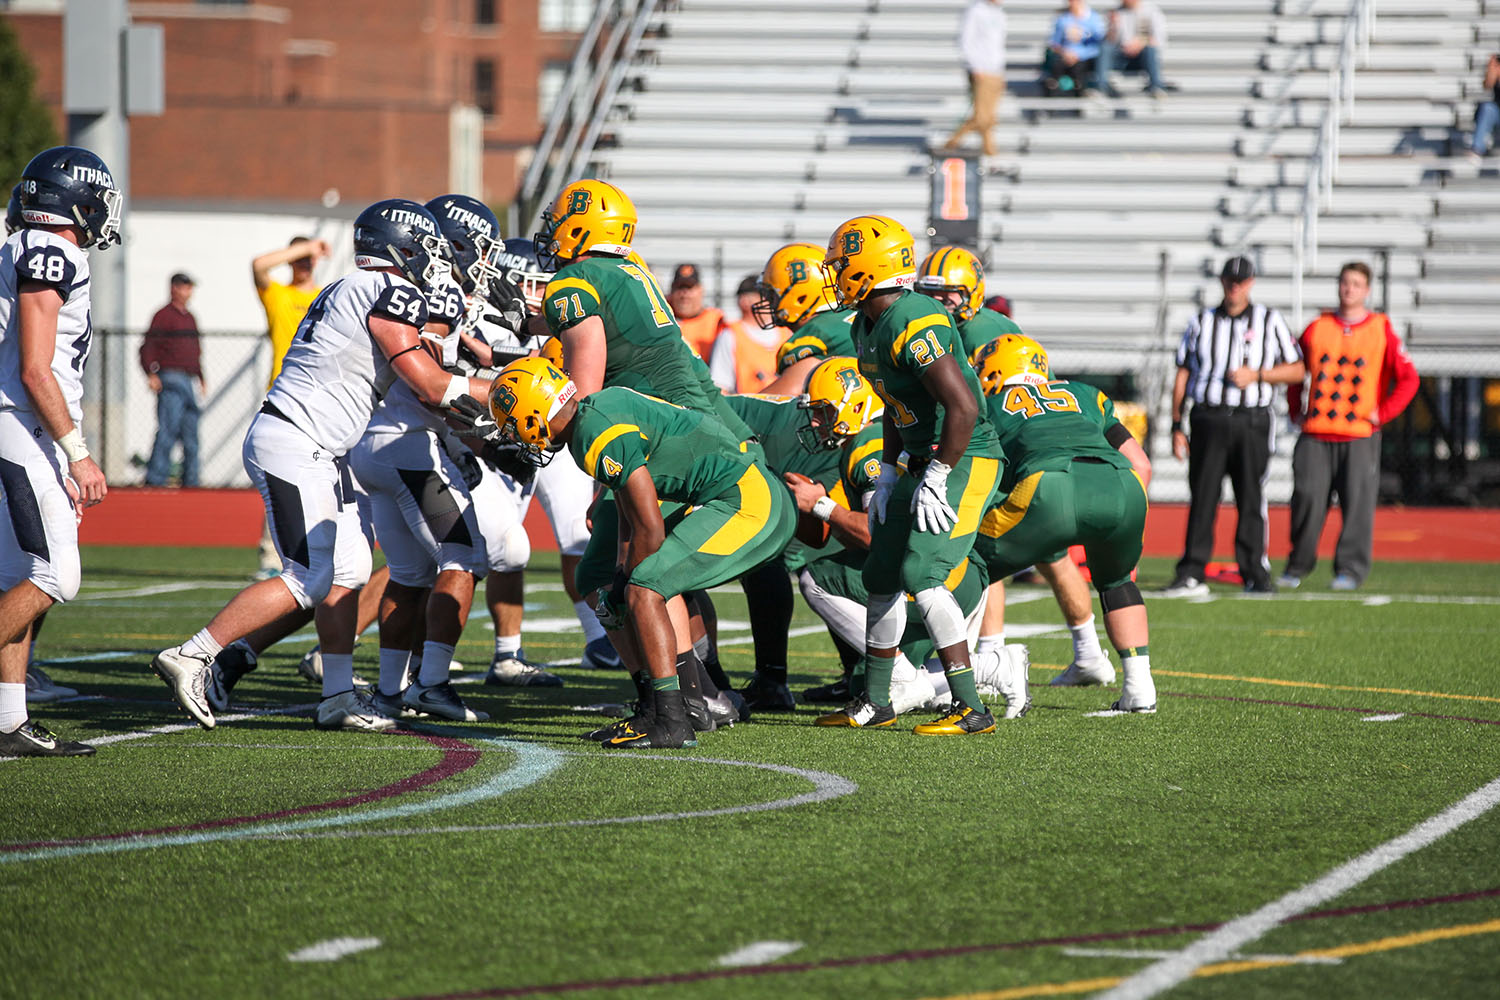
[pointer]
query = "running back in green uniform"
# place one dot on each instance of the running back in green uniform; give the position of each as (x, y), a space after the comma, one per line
(983, 327)
(1067, 484)
(732, 518)
(829, 334)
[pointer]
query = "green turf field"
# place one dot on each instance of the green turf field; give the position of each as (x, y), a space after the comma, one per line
(1055, 857)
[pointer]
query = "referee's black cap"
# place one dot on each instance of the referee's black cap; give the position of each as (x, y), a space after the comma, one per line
(1237, 269)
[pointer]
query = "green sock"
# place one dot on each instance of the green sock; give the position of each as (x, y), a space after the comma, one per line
(857, 679)
(961, 680)
(878, 670)
(665, 683)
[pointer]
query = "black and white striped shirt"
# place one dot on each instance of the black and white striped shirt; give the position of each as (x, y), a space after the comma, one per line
(1216, 343)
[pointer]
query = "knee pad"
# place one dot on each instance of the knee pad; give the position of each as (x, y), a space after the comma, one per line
(59, 577)
(511, 551)
(844, 618)
(1126, 595)
(307, 589)
(354, 568)
(573, 536)
(945, 620)
(885, 620)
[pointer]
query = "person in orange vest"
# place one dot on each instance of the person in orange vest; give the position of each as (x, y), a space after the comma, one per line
(744, 356)
(1359, 379)
(700, 326)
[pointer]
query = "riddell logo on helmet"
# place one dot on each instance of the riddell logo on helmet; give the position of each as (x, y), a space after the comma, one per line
(92, 175)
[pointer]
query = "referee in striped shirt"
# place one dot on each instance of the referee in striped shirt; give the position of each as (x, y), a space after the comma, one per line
(1230, 360)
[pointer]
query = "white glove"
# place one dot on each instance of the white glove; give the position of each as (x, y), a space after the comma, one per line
(930, 502)
(881, 495)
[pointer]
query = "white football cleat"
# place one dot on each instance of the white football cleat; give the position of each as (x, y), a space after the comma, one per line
(41, 688)
(1138, 694)
(516, 671)
(1015, 680)
(352, 710)
(1086, 673)
(187, 676)
(1186, 586)
(911, 693)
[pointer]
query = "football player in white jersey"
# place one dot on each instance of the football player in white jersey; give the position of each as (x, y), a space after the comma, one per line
(68, 202)
(360, 336)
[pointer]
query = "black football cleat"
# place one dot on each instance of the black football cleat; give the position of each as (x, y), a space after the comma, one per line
(836, 693)
(762, 694)
(33, 740)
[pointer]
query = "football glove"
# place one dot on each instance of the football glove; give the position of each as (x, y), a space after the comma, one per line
(506, 459)
(506, 306)
(881, 495)
(930, 502)
(611, 610)
(473, 419)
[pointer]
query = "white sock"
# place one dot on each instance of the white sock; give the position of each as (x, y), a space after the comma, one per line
(393, 670)
(591, 628)
(987, 643)
(338, 673)
(1085, 641)
(1137, 667)
(202, 644)
(942, 692)
(12, 707)
(507, 646)
(436, 658)
(244, 647)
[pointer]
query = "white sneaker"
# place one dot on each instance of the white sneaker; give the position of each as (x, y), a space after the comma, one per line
(441, 700)
(352, 710)
(1287, 581)
(517, 671)
(1014, 682)
(187, 676)
(1138, 695)
(1186, 586)
(1086, 673)
(41, 688)
(911, 693)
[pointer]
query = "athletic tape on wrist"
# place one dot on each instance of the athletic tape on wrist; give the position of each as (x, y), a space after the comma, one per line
(823, 508)
(73, 446)
(457, 386)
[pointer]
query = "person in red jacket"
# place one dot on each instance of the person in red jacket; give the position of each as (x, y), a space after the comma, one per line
(171, 357)
(1359, 379)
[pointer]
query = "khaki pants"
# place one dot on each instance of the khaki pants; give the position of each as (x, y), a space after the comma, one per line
(985, 90)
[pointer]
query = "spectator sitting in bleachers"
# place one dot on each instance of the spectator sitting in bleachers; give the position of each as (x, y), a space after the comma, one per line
(1487, 115)
(1073, 50)
(1137, 38)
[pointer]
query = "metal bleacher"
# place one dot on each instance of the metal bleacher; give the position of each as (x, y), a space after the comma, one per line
(742, 124)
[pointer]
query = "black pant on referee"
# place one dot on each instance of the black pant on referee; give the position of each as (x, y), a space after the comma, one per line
(1233, 441)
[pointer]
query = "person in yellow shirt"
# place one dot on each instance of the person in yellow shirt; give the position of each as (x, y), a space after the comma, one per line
(285, 305)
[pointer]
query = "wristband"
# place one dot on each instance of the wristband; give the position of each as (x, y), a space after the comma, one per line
(1176, 426)
(73, 446)
(457, 386)
(823, 508)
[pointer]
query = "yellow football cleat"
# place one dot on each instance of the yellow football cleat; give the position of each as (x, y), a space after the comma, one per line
(861, 713)
(960, 721)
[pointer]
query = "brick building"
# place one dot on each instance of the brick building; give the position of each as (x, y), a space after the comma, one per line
(299, 102)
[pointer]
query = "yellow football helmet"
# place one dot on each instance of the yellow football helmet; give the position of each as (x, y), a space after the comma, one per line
(524, 399)
(553, 353)
(793, 287)
(842, 403)
(588, 216)
(1010, 359)
(871, 253)
(954, 269)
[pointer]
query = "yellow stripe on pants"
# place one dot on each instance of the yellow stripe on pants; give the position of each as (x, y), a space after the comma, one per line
(745, 523)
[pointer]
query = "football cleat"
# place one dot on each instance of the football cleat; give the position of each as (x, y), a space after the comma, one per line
(34, 740)
(658, 734)
(1137, 695)
(392, 705)
(961, 720)
(1186, 586)
(762, 694)
(1014, 679)
(517, 671)
(352, 710)
(600, 655)
(723, 710)
(441, 700)
(836, 693)
(232, 663)
(187, 676)
(41, 688)
(861, 713)
(1086, 673)
(911, 693)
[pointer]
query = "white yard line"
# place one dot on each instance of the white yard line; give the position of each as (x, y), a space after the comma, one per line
(1167, 953)
(1231, 937)
(332, 950)
(162, 588)
(759, 953)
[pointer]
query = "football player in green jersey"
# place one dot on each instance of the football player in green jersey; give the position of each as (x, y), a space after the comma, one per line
(923, 520)
(727, 516)
(1076, 477)
(954, 277)
(794, 294)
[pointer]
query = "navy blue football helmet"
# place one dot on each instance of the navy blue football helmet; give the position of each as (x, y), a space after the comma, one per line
(473, 232)
(70, 186)
(402, 234)
(13, 211)
(522, 267)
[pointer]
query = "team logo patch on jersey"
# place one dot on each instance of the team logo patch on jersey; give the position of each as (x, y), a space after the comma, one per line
(612, 469)
(872, 468)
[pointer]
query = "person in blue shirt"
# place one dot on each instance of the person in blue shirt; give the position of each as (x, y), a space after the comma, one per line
(1073, 50)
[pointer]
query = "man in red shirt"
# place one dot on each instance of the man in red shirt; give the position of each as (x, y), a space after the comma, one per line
(171, 358)
(1359, 379)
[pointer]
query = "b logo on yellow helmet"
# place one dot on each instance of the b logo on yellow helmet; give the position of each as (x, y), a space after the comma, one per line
(578, 201)
(796, 271)
(854, 242)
